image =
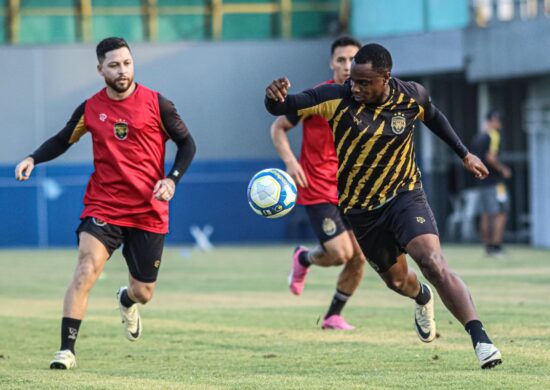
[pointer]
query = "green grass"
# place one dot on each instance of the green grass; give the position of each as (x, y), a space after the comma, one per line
(225, 320)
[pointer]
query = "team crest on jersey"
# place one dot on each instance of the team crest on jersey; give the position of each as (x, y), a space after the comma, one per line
(398, 123)
(121, 130)
(329, 226)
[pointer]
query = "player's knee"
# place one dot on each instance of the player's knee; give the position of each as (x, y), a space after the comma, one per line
(143, 295)
(433, 267)
(396, 284)
(340, 256)
(85, 275)
(357, 262)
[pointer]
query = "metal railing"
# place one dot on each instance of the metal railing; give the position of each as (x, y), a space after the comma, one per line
(150, 10)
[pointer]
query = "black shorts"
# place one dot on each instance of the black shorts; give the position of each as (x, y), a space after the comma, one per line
(384, 233)
(327, 221)
(142, 250)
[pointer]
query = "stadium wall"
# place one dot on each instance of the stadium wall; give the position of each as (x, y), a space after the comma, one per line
(44, 211)
(218, 89)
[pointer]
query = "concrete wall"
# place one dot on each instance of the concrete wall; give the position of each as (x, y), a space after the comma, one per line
(538, 128)
(217, 87)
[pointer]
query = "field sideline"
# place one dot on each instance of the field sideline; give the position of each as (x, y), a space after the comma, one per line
(225, 320)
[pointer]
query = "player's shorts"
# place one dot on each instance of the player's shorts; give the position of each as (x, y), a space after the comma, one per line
(327, 221)
(384, 233)
(493, 199)
(142, 250)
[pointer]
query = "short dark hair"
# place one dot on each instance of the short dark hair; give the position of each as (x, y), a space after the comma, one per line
(376, 54)
(109, 44)
(344, 41)
(493, 114)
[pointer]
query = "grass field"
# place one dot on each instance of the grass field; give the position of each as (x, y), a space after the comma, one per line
(225, 320)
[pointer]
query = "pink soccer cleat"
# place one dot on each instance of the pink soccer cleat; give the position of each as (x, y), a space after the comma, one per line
(336, 322)
(298, 272)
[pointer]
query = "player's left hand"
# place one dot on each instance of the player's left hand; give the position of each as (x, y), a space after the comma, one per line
(473, 164)
(164, 190)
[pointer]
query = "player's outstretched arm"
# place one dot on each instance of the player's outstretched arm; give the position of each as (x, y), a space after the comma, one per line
(24, 169)
(55, 146)
(279, 128)
(322, 100)
(440, 126)
(473, 164)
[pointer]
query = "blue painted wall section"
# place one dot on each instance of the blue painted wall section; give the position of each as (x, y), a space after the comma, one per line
(45, 210)
(375, 18)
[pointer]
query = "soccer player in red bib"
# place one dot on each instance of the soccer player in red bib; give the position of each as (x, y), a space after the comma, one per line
(315, 175)
(126, 201)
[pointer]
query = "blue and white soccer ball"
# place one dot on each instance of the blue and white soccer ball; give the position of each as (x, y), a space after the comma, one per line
(272, 193)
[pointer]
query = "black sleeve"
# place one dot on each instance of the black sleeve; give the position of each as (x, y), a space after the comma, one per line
(322, 100)
(441, 127)
(178, 132)
(422, 96)
(293, 119)
(59, 143)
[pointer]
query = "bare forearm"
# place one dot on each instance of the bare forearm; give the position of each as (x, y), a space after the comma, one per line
(282, 146)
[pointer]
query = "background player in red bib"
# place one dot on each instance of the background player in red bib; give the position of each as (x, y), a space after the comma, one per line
(126, 201)
(315, 175)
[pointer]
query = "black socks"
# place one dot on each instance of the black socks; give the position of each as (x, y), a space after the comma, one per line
(338, 302)
(69, 333)
(303, 259)
(423, 296)
(125, 299)
(477, 333)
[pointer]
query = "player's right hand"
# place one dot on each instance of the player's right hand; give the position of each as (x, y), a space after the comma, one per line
(278, 89)
(296, 171)
(24, 168)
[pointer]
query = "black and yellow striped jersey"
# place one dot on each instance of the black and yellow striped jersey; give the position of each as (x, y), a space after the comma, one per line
(374, 142)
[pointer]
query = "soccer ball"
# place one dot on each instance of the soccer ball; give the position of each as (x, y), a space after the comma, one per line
(272, 193)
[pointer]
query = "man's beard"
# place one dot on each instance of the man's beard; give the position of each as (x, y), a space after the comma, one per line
(113, 85)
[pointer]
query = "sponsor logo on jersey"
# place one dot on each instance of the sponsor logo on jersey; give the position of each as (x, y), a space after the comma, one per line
(420, 220)
(121, 130)
(156, 263)
(398, 123)
(329, 226)
(102, 117)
